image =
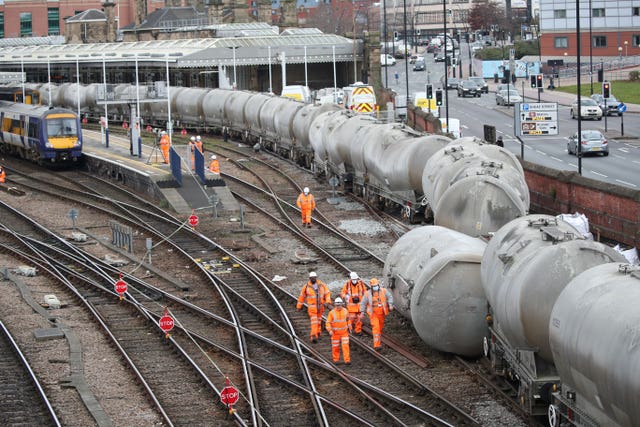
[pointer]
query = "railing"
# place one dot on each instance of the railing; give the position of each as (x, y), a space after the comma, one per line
(614, 69)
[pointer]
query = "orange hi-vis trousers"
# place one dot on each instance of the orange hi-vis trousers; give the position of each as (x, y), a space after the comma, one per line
(377, 324)
(316, 324)
(340, 339)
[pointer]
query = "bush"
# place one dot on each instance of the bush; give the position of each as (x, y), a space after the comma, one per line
(634, 76)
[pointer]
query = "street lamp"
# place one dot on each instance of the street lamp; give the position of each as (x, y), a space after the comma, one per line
(235, 84)
(619, 53)
(626, 49)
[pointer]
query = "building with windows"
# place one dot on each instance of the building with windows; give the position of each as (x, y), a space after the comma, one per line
(608, 28)
(38, 18)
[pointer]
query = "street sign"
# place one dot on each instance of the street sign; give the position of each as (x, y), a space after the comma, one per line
(193, 220)
(229, 395)
(622, 107)
(536, 118)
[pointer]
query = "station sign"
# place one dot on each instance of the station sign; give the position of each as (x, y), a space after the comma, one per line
(533, 119)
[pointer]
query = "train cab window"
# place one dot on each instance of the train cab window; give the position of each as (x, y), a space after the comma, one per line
(62, 127)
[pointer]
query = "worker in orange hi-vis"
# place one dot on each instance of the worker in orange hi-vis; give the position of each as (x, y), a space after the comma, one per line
(315, 293)
(377, 302)
(307, 204)
(214, 166)
(3, 175)
(338, 327)
(352, 293)
(164, 146)
(192, 148)
(199, 143)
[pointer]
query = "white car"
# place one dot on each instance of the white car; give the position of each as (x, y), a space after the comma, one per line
(387, 59)
(589, 109)
(508, 97)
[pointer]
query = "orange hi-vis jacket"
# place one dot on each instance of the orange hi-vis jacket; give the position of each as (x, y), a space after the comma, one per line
(338, 321)
(315, 302)
(3, 174)
(376, 302)
(349, 291)
(306, 203)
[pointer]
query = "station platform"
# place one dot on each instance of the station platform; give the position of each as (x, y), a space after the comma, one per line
(149, 174)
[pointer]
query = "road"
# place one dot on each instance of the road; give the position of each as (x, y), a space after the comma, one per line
(620, 167)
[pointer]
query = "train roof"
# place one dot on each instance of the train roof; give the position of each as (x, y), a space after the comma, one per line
(34, 110)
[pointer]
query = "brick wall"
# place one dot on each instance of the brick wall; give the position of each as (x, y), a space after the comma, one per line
(613, 211)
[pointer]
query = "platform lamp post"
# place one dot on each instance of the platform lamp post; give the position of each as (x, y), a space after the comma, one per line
(49, 78)
(235, 80)
(270, 76)
(306, 75)
(78, 83)
(22, 76)
(335, 82)
(169, 124)
(106, 111)
(138, 124)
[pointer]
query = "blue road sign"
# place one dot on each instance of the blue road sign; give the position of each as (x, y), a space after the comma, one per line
(622, 107)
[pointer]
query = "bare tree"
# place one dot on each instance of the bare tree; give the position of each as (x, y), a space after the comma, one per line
(486, 13)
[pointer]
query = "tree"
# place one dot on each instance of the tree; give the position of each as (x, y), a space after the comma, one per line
(486, 13)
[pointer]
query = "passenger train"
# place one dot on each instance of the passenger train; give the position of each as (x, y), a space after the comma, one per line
(40, 134)
(554, 312)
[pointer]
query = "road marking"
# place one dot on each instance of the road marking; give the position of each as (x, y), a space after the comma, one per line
(635, 161)
(619, 156)
(555, 158)
(464, 127)
(624, 150)
(626, 183)
(599, 174)
(541, 152)
(573, 165)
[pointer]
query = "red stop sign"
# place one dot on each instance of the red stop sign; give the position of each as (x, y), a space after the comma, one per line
(166, 323)
(193, 220)
(121, 286)
(229, 395)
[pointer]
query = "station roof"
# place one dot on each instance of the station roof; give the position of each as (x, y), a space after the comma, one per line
(254, 49)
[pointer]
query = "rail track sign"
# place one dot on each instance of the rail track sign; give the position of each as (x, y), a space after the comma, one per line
(533, 119)
(193, 220)
(120, 287)
(166, 322)
(229, 395)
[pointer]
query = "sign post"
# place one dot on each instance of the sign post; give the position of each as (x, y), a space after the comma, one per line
(166, 322)
(120, 287)
(535, 119)
(229, 395)
(622, 108)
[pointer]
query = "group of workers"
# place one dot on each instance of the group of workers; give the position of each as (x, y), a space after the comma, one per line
(356, 298)
(195, 143)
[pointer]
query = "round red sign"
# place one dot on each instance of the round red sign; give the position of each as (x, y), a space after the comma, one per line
(121, 286)
(193, 220)
(166, 323)
(229, 395)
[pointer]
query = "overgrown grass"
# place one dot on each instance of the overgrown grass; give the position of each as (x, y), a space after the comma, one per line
(623, 90)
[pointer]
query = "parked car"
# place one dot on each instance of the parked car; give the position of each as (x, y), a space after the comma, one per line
(419, 65)
(386, 59)
(452, 82)
(468, 88)
(505, 86)
(484, 87)
(611, 106)
(589, 109)
(592, 141)
(508, 97)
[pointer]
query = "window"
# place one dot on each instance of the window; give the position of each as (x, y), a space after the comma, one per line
(635, 40)
(560, 13)
(598, 12)
(635, 11)
(560, 42)
(54, 21)
(1, 25)
(25, 24)
(599, 41)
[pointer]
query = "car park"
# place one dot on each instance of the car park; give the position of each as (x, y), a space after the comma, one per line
(508, 97)
(608, 108)
(592, 141)
(484, 87)
(468, 88)
(589, 109)
(452, 82)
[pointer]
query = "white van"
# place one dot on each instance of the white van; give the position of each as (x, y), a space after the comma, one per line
(386, 59)
(297, 92)
(360, 98)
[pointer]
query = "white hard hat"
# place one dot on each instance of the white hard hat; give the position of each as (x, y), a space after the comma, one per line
(306, 190)
(193, 138)
(163, 133)
(338, 301)
(353, 275)
(313, 274)
(198, 137)
(213, 157)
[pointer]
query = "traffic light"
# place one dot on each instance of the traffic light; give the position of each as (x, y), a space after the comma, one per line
(438, 97)
(606, 89)
(539, 82)
(429, 91)
(534, 83)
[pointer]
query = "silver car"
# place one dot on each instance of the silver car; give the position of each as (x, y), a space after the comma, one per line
(508, 97)
(592, 141)
(610, 107)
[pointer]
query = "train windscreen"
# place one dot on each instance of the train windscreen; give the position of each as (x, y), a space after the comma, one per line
(62, 126)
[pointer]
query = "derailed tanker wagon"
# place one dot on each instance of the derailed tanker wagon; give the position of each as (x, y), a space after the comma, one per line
(594, 334)
(434, 275)
(526, 265)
